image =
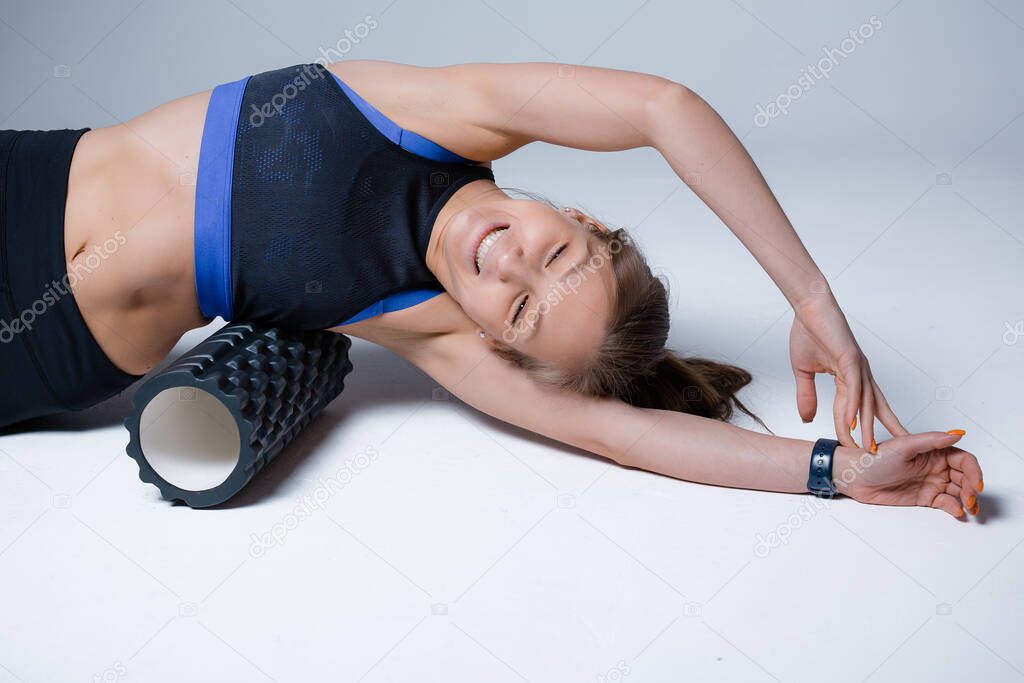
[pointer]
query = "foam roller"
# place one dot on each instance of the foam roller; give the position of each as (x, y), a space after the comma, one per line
(202, 428)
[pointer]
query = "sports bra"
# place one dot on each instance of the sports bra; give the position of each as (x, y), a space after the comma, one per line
(313, 209)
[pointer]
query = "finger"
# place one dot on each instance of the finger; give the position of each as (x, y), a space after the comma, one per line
(915, 444)
(967, 500)
(967, 468)
(806, 394)
(956, 476)
(886, 416)
(867, 413)
(950, 504)
(842, 426)
(852, 377)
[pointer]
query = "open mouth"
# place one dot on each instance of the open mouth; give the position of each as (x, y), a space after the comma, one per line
(487, 240)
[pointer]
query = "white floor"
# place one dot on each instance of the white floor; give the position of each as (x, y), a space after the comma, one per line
(406, 537)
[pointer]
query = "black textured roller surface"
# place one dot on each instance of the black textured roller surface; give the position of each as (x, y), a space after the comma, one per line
(264, 382)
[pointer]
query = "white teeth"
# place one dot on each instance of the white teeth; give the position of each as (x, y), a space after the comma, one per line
(486, 243)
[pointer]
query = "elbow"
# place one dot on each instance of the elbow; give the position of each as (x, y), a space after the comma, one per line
(667, 104)
(669, 97)
(599, 447)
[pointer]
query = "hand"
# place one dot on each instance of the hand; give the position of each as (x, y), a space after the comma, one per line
(918, 469)
(821, 342)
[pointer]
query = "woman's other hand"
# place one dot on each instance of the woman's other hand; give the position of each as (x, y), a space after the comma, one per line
(918, 469)
(821, 342)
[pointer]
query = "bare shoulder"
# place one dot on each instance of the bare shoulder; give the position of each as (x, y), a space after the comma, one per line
(485, 110)
(443, 103)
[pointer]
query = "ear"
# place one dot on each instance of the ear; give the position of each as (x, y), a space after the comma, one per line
(487, 339)
(583, 218)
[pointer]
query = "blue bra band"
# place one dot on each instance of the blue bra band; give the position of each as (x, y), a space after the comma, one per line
(394, 302)
(212, 231)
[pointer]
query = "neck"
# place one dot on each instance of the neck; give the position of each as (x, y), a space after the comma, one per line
(471, 194)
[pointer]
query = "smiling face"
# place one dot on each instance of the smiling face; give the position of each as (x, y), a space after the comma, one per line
(544, 285)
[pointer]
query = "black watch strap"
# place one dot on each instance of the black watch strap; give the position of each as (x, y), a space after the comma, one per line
(819, 476)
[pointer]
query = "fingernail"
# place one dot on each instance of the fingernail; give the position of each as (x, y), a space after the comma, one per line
(874, 446)
(981, 486)
(970, 502)
(956, 432)
(854, 424)
(855, 443)
(976, 509)
(960, 512)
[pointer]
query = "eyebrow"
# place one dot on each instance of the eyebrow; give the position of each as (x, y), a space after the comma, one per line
(587, 256)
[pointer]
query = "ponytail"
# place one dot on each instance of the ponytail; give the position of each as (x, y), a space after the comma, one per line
(692, 385)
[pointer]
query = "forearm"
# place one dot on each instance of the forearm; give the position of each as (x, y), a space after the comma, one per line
(711, 160)
(709, 451)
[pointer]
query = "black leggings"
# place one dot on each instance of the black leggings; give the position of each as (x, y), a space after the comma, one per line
(49, 361)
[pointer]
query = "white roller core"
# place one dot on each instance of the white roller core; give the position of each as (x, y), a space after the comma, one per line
(189, 438)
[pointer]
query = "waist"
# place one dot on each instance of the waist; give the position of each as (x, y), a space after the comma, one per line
(44, 339)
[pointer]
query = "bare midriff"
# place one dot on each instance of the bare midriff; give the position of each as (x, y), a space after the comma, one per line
(128, 232)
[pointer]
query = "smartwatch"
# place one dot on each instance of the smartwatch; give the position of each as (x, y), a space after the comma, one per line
(819, 476)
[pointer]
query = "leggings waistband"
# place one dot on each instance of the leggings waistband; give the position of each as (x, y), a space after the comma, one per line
(46, 349)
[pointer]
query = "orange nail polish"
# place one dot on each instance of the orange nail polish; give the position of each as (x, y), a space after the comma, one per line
(874, 446)
(981, 486)
(976, 509)
(956, 432)
(970, 502)
(854, 424)
(960, 512)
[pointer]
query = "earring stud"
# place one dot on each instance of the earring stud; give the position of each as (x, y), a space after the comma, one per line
(482, 334)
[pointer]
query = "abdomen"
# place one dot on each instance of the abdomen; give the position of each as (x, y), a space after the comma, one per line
(128, 231)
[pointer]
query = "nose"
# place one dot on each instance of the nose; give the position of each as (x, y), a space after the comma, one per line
(512, 264)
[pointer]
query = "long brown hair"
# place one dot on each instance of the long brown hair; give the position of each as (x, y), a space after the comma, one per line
(632, 362)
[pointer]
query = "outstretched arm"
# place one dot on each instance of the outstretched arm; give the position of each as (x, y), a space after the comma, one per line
(509, 105)
(708, 157)
(922, 469)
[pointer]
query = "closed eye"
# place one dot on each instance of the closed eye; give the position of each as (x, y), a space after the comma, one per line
(520, 308)
(556, 254)
(522, 304)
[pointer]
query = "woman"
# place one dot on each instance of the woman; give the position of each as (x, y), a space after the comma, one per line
(358, 197)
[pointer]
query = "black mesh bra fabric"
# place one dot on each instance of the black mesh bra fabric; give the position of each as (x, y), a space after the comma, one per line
(328, 215)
